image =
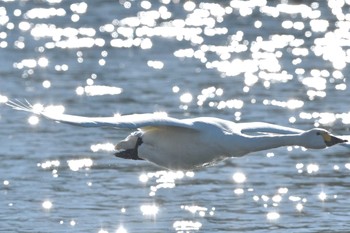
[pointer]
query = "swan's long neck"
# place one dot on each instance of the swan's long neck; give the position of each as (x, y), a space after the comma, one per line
(265, 142)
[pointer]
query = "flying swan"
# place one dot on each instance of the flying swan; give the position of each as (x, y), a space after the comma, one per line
(191, 143)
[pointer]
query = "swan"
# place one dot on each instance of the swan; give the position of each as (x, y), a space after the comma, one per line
(187, 144)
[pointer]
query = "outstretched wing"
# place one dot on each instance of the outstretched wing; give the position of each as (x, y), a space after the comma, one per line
(133, 121)
(266, 128)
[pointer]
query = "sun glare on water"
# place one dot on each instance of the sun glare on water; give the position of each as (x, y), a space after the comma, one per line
(77, 164)
(149, 210)
(239, 177)
(272, 216)
(47, 205)
(284, 62)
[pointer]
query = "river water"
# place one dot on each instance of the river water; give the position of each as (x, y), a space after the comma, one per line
(281, 62)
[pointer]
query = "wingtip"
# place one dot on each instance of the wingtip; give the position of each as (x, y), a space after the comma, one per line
(25, 105)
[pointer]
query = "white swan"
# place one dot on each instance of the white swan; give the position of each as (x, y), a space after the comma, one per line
(192, 143)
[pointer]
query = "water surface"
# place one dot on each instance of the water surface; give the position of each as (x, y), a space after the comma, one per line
(279, 62)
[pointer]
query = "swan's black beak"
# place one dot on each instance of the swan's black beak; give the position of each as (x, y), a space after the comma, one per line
(331, 140)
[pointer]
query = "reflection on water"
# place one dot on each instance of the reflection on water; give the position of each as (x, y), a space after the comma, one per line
(239, 177)
(273, 216)
(102, 147)
(281, 62)
(49, 164)
(163, 179)
(149, 210)
(121, 229)
(77, 164)
(47, 205)
(322, 196)
(186, 226)
(93, 90)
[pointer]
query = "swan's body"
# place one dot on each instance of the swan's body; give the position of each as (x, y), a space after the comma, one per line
(191, 143)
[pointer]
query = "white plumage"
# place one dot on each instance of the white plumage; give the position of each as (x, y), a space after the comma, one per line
(192, 143)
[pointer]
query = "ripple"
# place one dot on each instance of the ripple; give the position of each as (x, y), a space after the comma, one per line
(239, 60)
(195, 209)
(184, 225)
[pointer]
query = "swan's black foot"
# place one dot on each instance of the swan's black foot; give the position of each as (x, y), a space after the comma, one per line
(130, 153)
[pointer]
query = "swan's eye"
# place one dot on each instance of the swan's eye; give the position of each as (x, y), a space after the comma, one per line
(318, 133)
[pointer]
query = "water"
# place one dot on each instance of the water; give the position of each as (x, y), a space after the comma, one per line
(285, 63)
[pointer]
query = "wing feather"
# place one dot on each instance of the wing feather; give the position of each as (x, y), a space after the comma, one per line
(133, 121)
(262, 127)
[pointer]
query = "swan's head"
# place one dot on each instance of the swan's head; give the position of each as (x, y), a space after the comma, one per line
(319, 139)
